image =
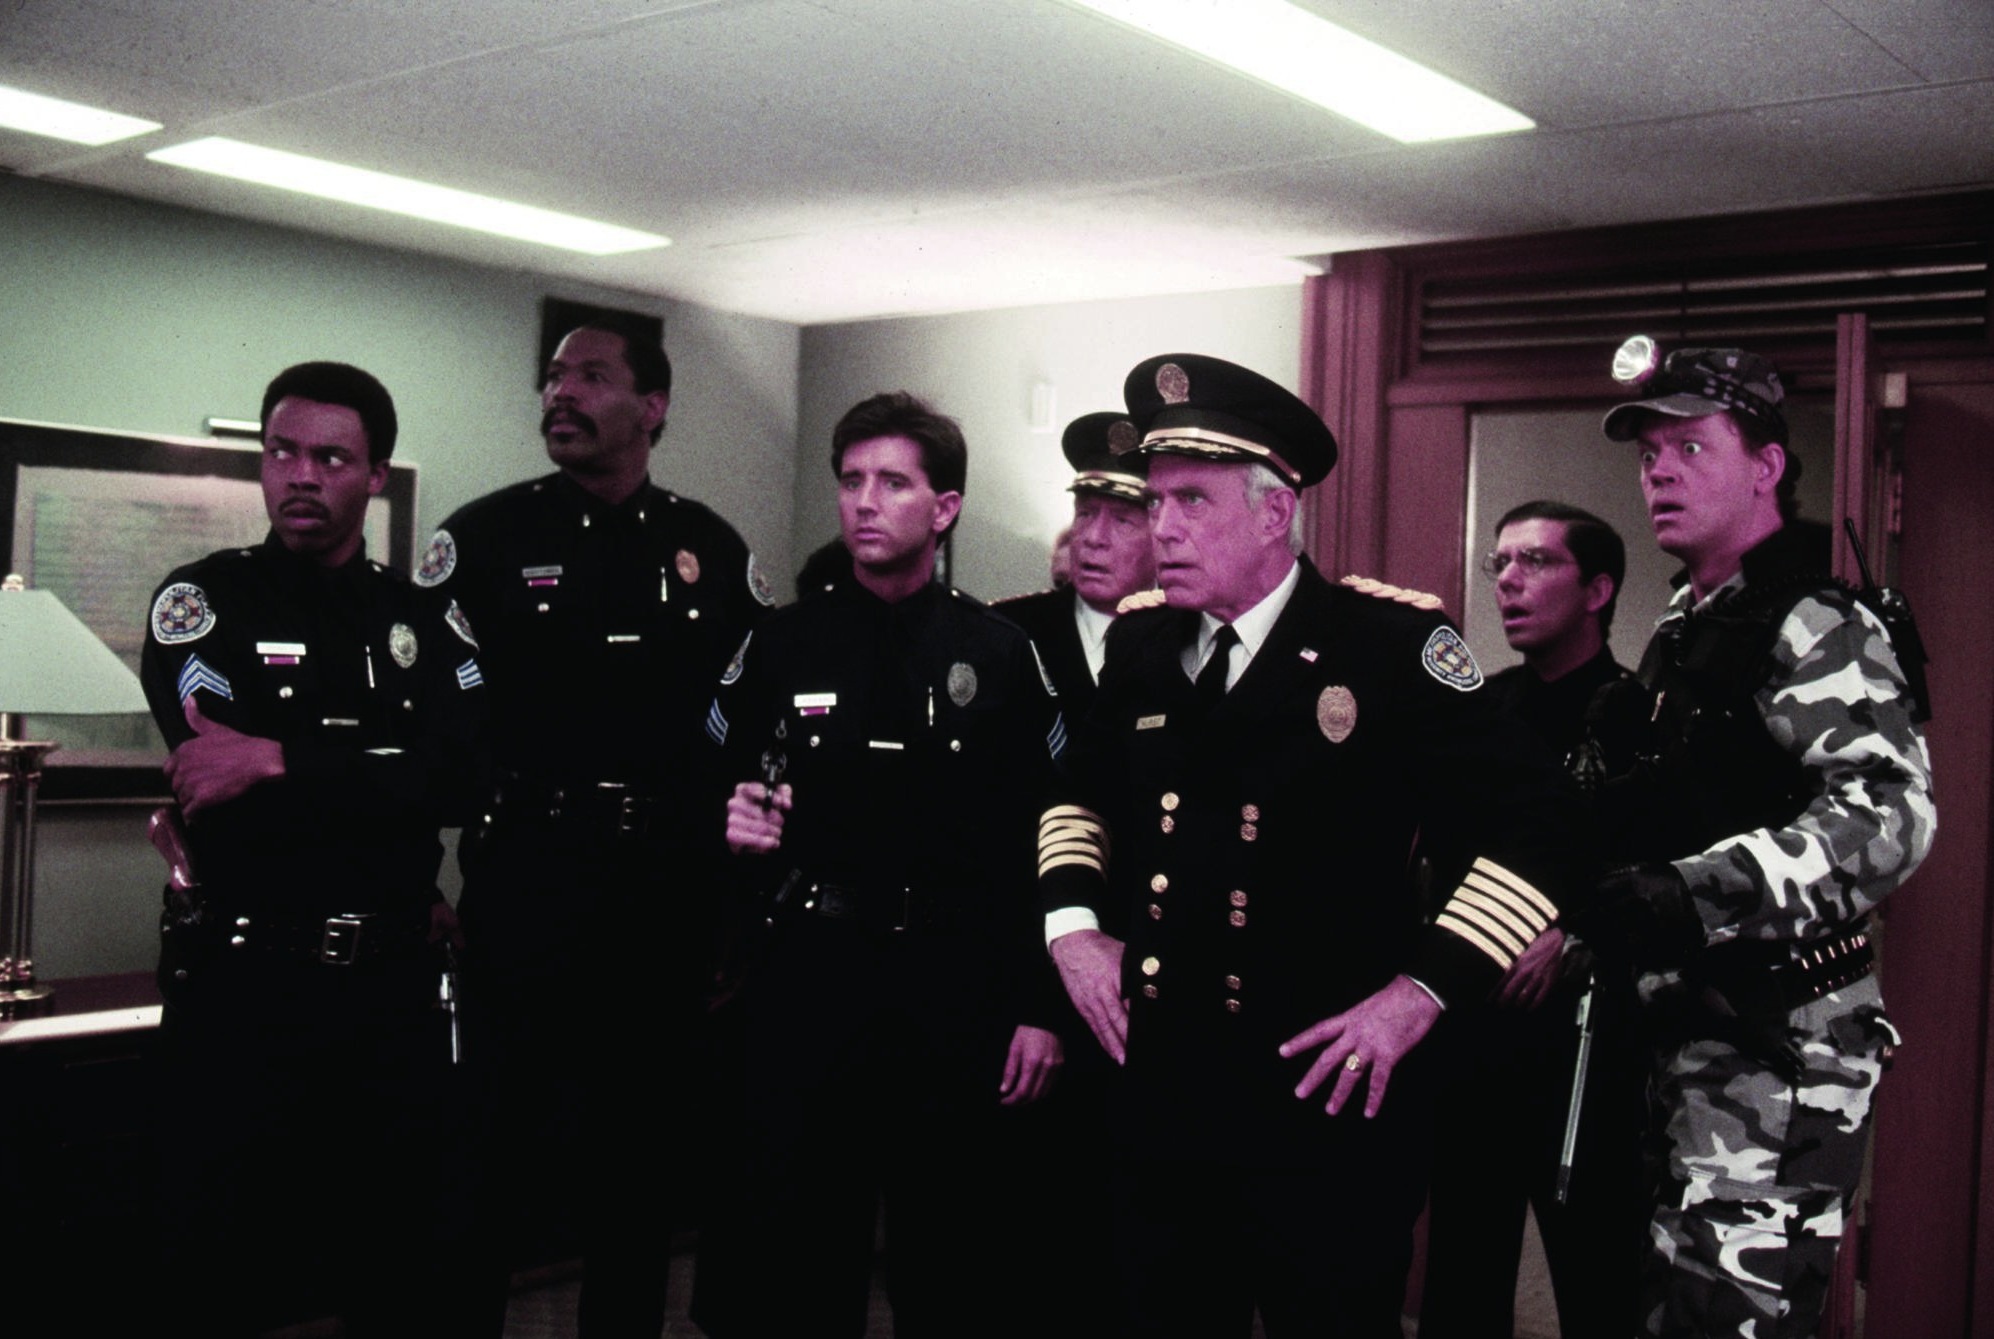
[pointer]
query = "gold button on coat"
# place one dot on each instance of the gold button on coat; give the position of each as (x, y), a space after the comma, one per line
(1151, 966)
(1238, 898)
(1148, 991)
(1170, 800)
(1250, 812)
(1237, 918)
(1159, 883)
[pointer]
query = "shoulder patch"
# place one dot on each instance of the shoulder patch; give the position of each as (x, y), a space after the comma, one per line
(1044, 677)
(1448, 659)
(439, 560)
(738, 663)
(460, 623)
(759, 587)
(1418, 599)
(1142, 599)
(182, 614)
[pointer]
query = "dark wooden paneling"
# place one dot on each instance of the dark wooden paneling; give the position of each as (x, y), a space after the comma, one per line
(1932, 1213)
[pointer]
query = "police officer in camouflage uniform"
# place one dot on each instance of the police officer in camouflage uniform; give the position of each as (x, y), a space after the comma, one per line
(598, 608)
(1771, 788)
(320, 738)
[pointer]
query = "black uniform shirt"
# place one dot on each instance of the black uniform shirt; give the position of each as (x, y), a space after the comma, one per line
(347, 670)
(600, 627)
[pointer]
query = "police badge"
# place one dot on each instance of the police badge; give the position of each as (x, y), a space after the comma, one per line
(962, 683)
(401, 644)
(1336, 713)
(758, 584)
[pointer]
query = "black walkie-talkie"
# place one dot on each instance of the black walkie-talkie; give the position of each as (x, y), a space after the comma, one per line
(1890, 605)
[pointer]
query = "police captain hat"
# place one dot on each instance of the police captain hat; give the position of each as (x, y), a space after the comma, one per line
(1092, 443)
(1189, 404)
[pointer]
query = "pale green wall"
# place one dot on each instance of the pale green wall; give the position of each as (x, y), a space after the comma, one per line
(982, 366)
(123, 314)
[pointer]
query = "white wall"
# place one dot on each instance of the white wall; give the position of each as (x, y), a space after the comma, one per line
(981, 367)
(123, 314)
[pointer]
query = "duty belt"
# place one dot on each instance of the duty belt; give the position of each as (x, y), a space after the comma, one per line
(609, 808)
(340, 940)
(890, 908)
(1800, 972)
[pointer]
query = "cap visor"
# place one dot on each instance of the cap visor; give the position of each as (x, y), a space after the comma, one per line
(1621, 419)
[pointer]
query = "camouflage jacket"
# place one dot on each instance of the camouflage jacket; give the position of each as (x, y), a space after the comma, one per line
(1833, 701)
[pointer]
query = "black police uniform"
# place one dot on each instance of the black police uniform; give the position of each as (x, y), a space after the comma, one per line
(587, 901)
(305, 1057)
(1262, 848)
(906, 950)
(1050, 619)
(1502, 1118)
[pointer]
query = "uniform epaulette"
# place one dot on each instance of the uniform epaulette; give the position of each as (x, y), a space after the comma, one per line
(1142, 599)
(1418, 599)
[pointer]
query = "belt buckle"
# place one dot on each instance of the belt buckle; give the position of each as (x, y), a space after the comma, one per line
(342, 940)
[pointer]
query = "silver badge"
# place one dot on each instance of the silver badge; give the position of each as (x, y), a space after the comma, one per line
(401, 644)
(962, 684)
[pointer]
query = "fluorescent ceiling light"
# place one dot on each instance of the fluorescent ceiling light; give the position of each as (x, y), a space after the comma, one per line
(66, 120)
(1293, 50)
(401, 195)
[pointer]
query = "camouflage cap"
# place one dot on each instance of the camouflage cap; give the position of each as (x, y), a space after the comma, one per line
(1190, 404)
(1092, 443)
(1696, 383)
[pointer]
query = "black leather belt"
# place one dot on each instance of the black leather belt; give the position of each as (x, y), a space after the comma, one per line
(883, 907)
(606, 808)
(341, 940)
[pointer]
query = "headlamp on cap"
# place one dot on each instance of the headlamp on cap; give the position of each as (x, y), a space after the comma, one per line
(1693, 383)
(1636, 361)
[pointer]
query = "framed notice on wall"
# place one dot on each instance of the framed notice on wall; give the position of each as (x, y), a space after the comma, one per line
(99, 518)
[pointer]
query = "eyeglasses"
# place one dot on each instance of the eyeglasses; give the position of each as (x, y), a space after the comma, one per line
(1533, 561)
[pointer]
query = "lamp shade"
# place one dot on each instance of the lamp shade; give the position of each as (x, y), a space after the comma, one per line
(51, 664)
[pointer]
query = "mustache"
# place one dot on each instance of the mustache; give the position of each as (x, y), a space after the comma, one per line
(304, 506)
(574, 416)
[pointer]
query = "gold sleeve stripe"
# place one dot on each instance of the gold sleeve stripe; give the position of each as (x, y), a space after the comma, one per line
(1070, 835)
(1492, 916)
(1447, 920)
(1529, 903)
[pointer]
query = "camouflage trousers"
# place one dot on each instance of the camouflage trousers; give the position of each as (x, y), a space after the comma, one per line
(1758, 1174)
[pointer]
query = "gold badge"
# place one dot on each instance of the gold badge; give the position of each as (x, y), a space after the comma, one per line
(687, 563)
(1173, 384)
(1336, 713)
(962, 684)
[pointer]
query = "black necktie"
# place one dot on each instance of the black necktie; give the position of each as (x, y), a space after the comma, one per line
(1211, 679)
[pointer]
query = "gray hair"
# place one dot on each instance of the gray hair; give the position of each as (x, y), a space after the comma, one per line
(1260, 481)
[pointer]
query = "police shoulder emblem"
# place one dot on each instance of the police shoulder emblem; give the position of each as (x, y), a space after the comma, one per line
(1142, 599)
(962, 683)
(401, 644)
(758, 584)
(182, 614)
(738, 663)
(460, 623)
(1336, 713)
(1448, 659)
(439, 560)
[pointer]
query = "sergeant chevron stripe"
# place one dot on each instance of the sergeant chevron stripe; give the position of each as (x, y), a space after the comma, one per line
(469, 675)
(197, 673)
(1496, 911)
(1070, 835)
(1055, 740)
(716, 723)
